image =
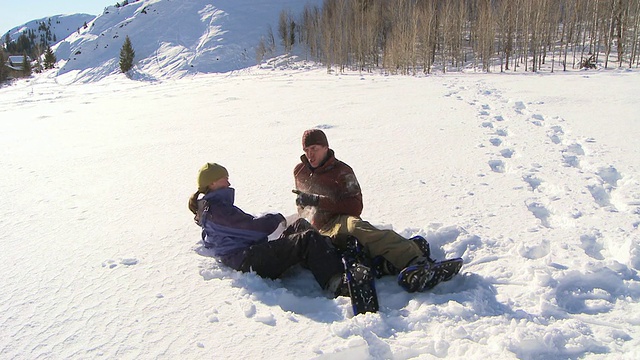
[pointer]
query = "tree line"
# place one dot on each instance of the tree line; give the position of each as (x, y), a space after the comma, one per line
(31, 42)
(28, 45)
(412, 36)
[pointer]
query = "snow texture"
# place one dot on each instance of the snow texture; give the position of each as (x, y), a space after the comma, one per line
(101, 259)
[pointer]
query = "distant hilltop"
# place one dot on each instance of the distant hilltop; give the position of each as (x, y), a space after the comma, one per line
(51, 29)
(172, 38)
(43, 32)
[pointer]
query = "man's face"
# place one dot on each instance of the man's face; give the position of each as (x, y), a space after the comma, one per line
(316, 154)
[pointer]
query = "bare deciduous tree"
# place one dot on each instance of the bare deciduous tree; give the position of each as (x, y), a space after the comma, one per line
(407, 36)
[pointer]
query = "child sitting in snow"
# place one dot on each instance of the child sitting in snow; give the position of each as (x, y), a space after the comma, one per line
(240, 240)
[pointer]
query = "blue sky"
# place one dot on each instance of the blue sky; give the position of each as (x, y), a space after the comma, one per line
(18, 12)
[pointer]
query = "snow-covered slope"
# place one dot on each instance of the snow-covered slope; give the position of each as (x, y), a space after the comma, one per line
(173, 38)
(533, 184)
(60, 27)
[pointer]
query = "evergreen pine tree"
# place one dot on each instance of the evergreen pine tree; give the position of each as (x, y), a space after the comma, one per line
(127, 54)
(4, 72)
(26, 65)
(49, 58)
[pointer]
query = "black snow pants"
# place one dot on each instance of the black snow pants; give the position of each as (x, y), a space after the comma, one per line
(307, 248)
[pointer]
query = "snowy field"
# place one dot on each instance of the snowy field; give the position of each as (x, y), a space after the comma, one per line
(534, 180)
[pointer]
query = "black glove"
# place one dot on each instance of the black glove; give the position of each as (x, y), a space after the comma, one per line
(305, 199)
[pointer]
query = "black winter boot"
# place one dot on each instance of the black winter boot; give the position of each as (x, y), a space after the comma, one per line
(423, 244)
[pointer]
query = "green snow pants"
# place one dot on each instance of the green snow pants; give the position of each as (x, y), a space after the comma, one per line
(386, 243)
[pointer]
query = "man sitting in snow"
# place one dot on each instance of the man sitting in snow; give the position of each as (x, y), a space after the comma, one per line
(329, 196)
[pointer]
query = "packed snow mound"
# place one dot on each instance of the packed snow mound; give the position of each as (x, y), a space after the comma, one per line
(59, 27)
(173, 38)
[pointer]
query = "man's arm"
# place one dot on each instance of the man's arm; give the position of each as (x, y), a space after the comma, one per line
(338, 192)
(348, 199)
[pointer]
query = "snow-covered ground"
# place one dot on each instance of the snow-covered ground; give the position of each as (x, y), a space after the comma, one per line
(534, 180)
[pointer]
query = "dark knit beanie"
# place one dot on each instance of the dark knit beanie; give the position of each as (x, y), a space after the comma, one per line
(314, 137)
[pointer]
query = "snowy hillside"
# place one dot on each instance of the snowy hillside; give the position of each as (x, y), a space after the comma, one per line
(59, 26)
(173, 38)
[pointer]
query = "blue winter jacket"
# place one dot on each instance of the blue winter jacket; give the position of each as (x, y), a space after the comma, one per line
(229, 231)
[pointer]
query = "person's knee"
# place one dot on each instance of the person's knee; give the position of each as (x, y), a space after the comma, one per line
(313, 236)
(305, 239)
(308, 235)
(301, 225)
(318, 241)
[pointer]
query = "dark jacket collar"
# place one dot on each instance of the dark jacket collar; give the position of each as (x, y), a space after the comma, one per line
(225, 196)
(326, 165)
